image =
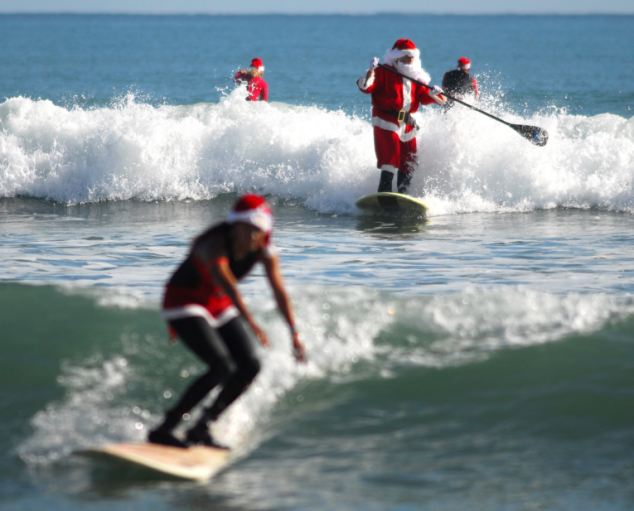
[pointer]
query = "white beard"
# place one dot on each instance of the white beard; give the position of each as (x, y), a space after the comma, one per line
(414, 70)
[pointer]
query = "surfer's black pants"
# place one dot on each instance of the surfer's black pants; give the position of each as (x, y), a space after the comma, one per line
(231, 360)
(403, 181)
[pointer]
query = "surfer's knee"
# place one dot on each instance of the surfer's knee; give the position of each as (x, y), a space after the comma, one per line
(223, 369)
(250, 369)
(246, 371)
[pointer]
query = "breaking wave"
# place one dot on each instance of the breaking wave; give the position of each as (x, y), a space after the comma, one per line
(321, 158)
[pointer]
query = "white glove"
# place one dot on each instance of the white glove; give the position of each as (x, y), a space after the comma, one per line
(436, 94)
(366, 81)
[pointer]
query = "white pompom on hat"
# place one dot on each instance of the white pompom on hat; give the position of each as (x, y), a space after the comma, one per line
(252, 209)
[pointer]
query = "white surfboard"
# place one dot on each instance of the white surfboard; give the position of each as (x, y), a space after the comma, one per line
(194, 463)
(393, 203)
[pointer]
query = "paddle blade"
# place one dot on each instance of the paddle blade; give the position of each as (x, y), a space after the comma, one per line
(534, 134)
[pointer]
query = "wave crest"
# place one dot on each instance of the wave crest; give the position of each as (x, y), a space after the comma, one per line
(323, 158)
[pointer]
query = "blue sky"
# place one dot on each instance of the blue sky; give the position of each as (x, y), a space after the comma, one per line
(321, 6)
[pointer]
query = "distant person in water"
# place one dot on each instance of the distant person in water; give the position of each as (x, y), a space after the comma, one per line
(459, 82)
(394, 99)
(257, 88)
(204, 308)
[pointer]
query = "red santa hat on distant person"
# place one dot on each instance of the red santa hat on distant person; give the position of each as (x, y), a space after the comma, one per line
(252, 209)
(464, 63)
(257, 63)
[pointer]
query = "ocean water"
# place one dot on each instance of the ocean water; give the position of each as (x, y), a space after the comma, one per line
(481, 360)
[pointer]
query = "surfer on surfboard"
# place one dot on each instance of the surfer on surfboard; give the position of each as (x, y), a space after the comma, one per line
(204, 308)
(394, 99)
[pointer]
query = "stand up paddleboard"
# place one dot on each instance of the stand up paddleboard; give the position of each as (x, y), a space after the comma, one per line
(392, 203)
(193, 463)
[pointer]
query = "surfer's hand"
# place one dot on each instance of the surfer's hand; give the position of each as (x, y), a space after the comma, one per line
(299, 352)
(436, 93)
(259, 333)
(373, 65)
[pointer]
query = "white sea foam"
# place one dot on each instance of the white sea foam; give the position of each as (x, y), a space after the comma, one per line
(322, 158)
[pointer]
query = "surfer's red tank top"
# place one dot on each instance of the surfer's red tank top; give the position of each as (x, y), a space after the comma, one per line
(193, 284)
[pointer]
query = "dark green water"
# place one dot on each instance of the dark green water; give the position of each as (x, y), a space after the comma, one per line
(411, 417)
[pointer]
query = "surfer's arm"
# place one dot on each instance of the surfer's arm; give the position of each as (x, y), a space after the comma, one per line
(264, 94)
(432, 94)
(367, 82)
(274, 275)
(474, 87)
(241, 76)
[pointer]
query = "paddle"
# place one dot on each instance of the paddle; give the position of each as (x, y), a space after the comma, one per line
(535, 135)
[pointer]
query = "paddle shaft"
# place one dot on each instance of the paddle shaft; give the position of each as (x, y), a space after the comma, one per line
(535, 135)
(449, 96)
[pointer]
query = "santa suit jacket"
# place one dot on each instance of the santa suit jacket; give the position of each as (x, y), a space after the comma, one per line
(392, 93)
(257, 87)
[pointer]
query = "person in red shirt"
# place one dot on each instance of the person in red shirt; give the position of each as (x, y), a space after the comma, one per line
(394, 99)
(257, 88)
(459, 82)
(203, 307)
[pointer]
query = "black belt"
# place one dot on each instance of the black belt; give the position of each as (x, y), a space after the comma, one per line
(401, 116)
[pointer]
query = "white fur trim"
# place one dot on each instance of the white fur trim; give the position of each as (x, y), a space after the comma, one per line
(393, 54)
(407, 136)
(194, 310)
(258, 217)
(385, 125)
(407, 94)
(388, 168)
(399, 130)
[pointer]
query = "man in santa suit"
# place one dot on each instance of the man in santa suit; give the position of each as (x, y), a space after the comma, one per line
(394, 99)
(257, 88)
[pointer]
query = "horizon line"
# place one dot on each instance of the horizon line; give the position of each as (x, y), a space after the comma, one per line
(281, 13)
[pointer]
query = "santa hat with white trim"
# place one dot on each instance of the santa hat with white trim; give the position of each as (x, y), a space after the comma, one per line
(464, 63)
(401, 48)
(252, 209)
(257, 63)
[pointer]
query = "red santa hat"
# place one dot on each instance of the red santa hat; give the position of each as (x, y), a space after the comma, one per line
(252, 209)
(407, 48)
(401, 48)
(464, 63)
(257, 63)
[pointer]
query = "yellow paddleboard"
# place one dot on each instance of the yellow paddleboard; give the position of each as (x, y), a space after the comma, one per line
(392, 203)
